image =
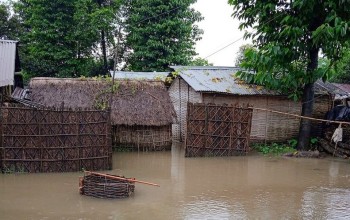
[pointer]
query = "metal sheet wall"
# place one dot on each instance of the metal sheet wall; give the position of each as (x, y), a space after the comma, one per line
(7, 62)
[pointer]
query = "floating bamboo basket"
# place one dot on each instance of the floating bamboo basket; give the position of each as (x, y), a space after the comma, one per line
(105, 186)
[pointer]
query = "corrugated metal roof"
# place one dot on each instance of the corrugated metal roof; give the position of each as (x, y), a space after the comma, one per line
(219, 79)
(7, 62)
(140, 75)
(223, 80)
(342, 86)
(330, 88)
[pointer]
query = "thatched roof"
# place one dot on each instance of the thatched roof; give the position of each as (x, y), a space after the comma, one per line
(133, 102)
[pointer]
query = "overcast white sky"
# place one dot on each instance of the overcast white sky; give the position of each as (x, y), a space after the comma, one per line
(220, 29)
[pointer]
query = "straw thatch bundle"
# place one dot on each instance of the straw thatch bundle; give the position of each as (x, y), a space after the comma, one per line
(133, 102)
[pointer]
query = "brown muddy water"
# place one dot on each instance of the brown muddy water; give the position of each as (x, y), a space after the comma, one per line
(250, 187)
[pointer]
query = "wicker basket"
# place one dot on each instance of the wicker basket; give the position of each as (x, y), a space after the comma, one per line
(105, 187)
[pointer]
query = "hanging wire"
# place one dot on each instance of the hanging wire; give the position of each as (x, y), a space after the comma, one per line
(235, 41)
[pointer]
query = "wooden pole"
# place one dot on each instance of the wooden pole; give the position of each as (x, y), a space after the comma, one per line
(121, 178)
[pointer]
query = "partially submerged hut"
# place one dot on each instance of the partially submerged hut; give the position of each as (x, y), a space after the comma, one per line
(219, 85)
(141, 111)
(327, 95)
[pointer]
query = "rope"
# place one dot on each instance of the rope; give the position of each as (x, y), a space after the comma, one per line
(299, 116)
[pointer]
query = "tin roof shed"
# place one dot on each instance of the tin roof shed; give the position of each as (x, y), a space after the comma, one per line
(8, 57)
(215, 79)
(159, 76)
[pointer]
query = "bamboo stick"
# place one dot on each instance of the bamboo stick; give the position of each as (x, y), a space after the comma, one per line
(121, 178)
(299, 116)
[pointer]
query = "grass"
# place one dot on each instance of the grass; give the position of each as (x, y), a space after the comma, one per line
(281, 148)
(276, 148)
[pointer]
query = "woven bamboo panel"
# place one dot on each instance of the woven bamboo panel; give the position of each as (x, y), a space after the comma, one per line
(259, 125)
(322, 104)
(143, 138)
(282, 127)
(51, 140)
(176, 132)
(266, 126)
(180, 94)
(217, 130)
(175, 99)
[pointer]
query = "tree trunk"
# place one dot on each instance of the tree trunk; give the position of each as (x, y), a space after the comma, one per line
(104, 53)
(307, 104)
(305, 124)
(103, 44)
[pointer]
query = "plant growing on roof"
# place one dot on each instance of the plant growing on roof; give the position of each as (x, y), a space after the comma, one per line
(289, 36)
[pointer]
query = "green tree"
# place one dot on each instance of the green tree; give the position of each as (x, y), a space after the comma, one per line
(342, 69)
(240, 54)
(106, 21)
(198, 61)
(289, 36)
(10, 26)
(63, 36)
(49, 43)
(161, 33)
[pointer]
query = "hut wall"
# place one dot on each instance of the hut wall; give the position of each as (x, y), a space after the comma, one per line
(142, 137)
(180, 94)
(322, 104)
(266, 126)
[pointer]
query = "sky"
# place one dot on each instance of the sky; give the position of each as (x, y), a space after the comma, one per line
(220, 29)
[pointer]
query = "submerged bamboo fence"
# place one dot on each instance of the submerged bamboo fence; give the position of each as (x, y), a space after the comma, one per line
(142, 138)
(217, 130)
(54, 140)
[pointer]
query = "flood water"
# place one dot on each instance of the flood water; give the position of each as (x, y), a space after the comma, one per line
(247, 187)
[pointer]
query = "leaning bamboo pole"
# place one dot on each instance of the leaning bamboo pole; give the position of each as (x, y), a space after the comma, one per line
(121, 178)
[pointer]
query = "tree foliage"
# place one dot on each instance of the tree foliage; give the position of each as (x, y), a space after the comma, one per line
(63, 36)
(241, 53)
(198, 61)
(342, 69)
(161, 33)
(10, 26)
(289, 36)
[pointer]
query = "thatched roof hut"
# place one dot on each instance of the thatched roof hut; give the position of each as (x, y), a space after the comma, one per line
(133, 102)
(138, 105)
